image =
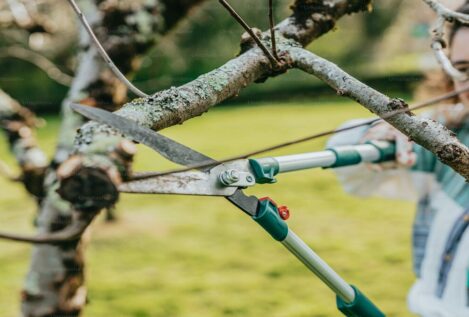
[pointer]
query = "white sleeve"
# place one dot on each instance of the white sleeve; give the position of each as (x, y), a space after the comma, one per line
(361, 181)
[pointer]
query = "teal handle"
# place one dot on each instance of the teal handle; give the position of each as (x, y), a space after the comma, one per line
(346, 156)
(269, 219)
(264, 173)
(360, 307)
(387, 150)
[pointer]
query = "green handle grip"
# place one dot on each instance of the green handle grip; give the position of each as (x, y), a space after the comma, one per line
(345, 156)
(349, 155)
(360, 307)
(265, 173)
(387, 150)
(267, 216)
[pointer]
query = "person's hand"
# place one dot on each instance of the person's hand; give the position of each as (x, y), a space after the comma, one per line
(405, 156)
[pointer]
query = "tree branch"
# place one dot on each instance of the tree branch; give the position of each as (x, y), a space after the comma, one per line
(428, 133)
(447, 14)
(273, 60)
(18, 124)
(38, 60)
(438, 37)
(70, 233)
(273, 40)
(103, 52)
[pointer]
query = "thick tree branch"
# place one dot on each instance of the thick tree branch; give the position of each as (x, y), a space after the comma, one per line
(176, 105)
(428, 133)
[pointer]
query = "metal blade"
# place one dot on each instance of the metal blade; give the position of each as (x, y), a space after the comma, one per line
(186, 183)
(170, 149)
(246, 203)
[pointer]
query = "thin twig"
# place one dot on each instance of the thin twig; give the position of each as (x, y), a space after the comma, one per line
(40, 61)
(103, 53)
(146, 175)
(446, 64)
(438, 37)
(70, 233)
(447, 14)
(239, 19)
(272, 30)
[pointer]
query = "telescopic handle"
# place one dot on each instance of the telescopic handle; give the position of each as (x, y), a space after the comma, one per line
(350, 301)
(373, 152)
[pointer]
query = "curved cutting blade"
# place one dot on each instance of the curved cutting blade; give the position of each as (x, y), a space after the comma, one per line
(185, 183)
(170, 149)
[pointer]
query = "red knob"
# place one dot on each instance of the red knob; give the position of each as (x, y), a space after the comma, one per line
(284, 212)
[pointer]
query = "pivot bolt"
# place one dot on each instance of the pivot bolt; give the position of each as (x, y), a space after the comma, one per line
(229, 177)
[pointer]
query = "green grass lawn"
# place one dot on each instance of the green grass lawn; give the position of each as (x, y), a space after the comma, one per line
(193, 256)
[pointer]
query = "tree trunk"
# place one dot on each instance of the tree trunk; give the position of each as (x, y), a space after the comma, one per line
(55, 284)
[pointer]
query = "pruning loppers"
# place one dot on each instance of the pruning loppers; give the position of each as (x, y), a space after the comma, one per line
(229, 178)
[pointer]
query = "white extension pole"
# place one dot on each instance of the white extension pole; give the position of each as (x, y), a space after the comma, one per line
(320, 268)
(327, 158)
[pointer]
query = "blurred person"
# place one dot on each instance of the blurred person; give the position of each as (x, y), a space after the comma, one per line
(440, 244)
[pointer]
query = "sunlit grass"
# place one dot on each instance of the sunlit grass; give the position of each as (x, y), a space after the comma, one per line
(193, 256)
